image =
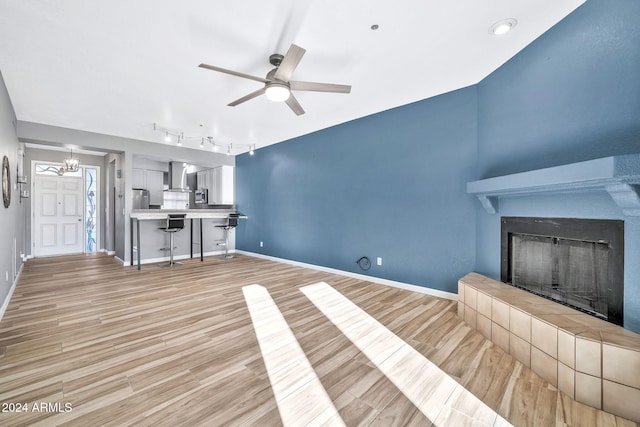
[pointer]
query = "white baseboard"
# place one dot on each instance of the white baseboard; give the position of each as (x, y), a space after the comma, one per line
(406, 286)
(107, 252)
(5, 304)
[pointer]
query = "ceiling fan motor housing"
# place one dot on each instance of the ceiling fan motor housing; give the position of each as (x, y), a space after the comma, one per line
(276, 59)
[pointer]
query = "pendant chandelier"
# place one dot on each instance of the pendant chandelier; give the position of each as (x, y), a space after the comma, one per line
(71, 164)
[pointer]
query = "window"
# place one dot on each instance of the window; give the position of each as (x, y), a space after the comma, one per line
(55, 170)
(90, 220)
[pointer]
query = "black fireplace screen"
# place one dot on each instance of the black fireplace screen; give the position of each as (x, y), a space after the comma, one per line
(575, 262)
(571, 271)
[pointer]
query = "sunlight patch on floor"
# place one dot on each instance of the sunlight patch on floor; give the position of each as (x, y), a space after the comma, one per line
(438, 396)
(301, 398)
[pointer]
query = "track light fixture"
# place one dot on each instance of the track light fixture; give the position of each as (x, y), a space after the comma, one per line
(215, 146)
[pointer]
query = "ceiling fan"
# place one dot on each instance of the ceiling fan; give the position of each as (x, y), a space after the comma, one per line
(277, 86)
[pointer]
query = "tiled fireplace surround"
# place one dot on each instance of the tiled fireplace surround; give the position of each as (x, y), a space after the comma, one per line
(592, 361)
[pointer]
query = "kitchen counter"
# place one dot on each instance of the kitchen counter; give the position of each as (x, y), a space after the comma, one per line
(138, 215)
(142, 214)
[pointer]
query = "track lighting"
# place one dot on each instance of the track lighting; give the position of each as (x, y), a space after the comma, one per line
(215, 146)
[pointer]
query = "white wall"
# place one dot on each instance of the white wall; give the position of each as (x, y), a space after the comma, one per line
(128, 149)
(12, 219)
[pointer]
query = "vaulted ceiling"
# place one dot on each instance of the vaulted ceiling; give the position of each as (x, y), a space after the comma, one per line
(119, 66)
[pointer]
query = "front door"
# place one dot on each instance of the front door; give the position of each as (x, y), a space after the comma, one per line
(58, 215)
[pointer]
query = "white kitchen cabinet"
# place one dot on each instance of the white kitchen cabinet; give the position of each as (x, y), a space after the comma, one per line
(151, 180)
(155, 185)
(138, 179)
(211, 186)
(222, 185)
(202, 179)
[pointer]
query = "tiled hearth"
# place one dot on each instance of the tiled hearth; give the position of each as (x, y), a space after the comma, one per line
(592, 361)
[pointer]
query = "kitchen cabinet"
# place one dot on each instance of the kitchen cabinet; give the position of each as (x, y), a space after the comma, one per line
(222, 185)
(202, 179)
(138, 179)
(151, 180)
(155, 185)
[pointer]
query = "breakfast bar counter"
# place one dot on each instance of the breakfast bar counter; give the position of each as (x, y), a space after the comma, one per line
(138, 215)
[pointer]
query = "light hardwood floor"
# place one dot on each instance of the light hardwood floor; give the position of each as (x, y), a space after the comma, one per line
(177, 347)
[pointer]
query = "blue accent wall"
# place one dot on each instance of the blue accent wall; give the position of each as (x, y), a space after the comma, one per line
(572, 95)
(390, 185)
(393, 184)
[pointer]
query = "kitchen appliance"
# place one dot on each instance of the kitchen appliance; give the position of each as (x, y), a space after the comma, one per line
(201, 196)
(140, 198)
(178, 177)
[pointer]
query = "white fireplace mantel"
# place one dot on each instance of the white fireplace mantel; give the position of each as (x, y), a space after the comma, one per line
(617, 175)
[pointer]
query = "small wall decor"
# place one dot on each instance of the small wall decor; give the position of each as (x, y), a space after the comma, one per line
(6, 182)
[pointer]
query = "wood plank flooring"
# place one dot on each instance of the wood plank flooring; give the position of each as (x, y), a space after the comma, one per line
(86, 341)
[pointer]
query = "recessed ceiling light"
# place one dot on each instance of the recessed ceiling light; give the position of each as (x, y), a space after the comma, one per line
(502, 27)
(375, 26)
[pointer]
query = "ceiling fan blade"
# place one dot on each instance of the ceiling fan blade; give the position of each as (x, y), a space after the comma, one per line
(289, 63)
(320, 87)
(233, 73)
(293, 103)
(247, 97)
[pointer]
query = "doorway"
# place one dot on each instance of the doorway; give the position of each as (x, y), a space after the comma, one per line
(65, 210)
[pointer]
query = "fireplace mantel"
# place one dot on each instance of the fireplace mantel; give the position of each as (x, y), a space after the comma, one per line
(617, 175)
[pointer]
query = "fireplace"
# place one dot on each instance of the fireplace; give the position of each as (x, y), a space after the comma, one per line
(575, 262)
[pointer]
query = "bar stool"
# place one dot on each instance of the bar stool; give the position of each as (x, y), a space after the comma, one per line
(232, 222)
(175, 223)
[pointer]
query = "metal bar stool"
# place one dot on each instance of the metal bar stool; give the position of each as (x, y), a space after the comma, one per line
(232, 222)
(175, 223)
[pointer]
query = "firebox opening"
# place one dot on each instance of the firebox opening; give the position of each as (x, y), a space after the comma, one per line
(575, 262)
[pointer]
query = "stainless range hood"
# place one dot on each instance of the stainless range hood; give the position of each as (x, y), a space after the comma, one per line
(178, 177)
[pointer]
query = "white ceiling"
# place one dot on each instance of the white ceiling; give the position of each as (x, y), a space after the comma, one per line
(119, 66)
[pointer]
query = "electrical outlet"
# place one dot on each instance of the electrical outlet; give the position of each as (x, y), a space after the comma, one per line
(379, 261)
(6, 276)
(261, 244)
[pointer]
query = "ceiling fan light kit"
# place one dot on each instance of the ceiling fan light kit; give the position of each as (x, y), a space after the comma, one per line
(278, 84)
(277, 91)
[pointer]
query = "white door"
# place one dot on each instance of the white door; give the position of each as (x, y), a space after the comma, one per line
(58, 215)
